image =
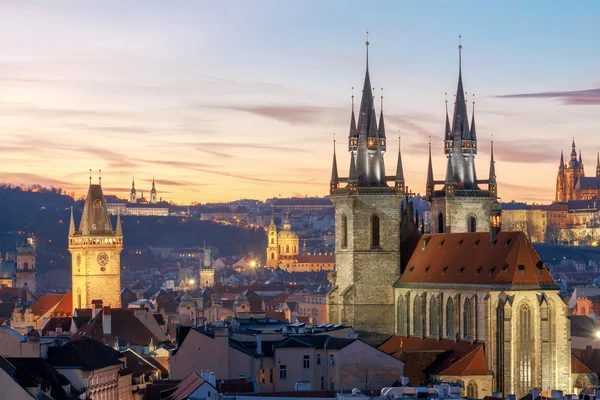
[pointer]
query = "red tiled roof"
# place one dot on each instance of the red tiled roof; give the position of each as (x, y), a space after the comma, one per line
(186, 387)
(66, 304)
(471, 364)
(316, 258)
(278, 315)
(45, 303)
(578, 367)
(470, 258)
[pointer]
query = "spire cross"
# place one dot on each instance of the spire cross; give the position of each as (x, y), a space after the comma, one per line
(367, 44)
(352, 98)
(381, 99)
(459, 52)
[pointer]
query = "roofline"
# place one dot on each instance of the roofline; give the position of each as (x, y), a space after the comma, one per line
(468, 286)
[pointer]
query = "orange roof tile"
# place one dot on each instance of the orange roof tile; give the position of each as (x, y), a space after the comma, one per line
(45, 303)
(316, 258)
(66, 304)
(578, 367)
(471, 258)
(471, 364)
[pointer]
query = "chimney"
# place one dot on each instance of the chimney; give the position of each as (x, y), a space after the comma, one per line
(96, 307)
(106, 321)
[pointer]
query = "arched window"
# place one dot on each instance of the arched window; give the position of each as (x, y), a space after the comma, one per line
(471, 223)
(344, 231)
(440, 223)
(525, 349)
(374, 231)
(418, 315)
(25, 265)
(79, 298)
(401, 316)
(287, 249)
(272, 256)
(434, 316)
(450, 319)
(272, 240)
(468, 318)
(295, 251)
(472, 390)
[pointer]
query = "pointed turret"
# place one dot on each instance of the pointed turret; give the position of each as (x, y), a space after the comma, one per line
(381, 130)
(580, 161)
(573, 151)
(447, 133)
(561, 167)
(353, 134)
(429, 186)
(334, 183)
(473, 131)
(598, 166)
(399, 171)
(460, 122)
(153, 193)
(95, 220)
(133, 194)
(492, 186)
(449, 181)
(72, 224)
(119, 230)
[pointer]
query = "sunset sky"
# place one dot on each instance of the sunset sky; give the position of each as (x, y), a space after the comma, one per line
(221, 100)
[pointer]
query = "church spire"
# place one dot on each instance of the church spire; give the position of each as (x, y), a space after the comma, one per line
(598, 166)
(381, 130)
(573, 151)
(399, 170)
(447, 131)
(119, 230)
(353, 134)
(460, 122)
(95, 220)
(334, 183)
(562, 161)
(473, 130)
(492, 186)
(72, 224)
(429, 187)
(580, 160)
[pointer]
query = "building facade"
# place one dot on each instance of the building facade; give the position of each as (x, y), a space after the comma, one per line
(207, 273)
(460, 205)
(282, 247)
(26, 268)
(571, 182)
(368, 221)
(96, 254)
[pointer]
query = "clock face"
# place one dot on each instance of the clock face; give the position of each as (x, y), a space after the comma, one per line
(78, 259)
(102, 259)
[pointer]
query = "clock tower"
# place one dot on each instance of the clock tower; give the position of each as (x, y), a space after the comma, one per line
(96, 254)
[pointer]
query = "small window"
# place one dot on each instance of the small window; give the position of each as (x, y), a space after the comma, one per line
(270, 375)
(521, 267)
(282, 372)
(476, 244)
(318, 358)
(306, 362)
(331, 360)
(375, 231)
(344, 231)
(461, 270)
(444, 270)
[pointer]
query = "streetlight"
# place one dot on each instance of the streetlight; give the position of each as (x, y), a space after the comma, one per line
(191, 282)
(253, 264)
(597, 334)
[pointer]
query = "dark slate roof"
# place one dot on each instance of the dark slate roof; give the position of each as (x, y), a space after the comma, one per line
(319, 342)
(588, 182)
(38, 371)
(88, 354)
(137, 364)
(63, 323)
(153, 391)
(6, 309)
(95, 220)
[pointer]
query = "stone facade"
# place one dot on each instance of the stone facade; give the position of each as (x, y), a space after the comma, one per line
(455, 212)
(363, 293)
(26, 268)
(544, 361)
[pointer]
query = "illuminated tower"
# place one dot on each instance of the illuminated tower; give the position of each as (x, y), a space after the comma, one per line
(96, 254)
(153, 199)
(272, 245)
(561, 189)
(207, 273)
(461, 205)
(26, 268)
(133, 194)
(367, 227)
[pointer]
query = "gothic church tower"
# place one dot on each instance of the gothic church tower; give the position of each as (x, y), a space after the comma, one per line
(367, 223)
(207, 273)
(96, 254)
(461, 206)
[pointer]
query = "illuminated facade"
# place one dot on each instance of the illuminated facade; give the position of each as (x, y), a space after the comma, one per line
(571, 182)
(282, 247)
(207, 273)
(26, 268)
(96, 254)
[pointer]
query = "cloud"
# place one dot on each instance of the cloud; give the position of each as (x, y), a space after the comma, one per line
(294, 115)
(22, 178)
(169, 182)
(572, 97)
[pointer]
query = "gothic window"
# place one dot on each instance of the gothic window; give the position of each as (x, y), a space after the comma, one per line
(525, 350)
(287, 249)
(272, 240)
(418, 315)
(450, 318)
(344, 228)
(25, 265)
(272, 256)
(472, 390)
(375, 231)
(440, 223)
(468, 318)
(471, 223)
(401, 316)
(434, 316)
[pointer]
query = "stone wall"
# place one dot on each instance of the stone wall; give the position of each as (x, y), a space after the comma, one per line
(456, 211)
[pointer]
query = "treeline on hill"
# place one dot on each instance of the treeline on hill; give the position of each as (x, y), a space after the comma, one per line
(45, 213)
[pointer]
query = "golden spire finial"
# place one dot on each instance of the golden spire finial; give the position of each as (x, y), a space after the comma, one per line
(100, 176)
(90, 176)
(446, 95)
(382, 99)
(367, 42)
(352, 98)
(459, 52)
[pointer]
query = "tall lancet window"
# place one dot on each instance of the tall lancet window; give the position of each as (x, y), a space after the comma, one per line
(468, 318)
(344, 231)
(440, 223)
(434, 316)
(525, 350)
(401, 316)
(450, 319)
(471, 223)
(375, 231)
(418, 315)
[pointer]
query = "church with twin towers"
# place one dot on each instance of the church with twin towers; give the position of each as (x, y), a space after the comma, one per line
(464, 281)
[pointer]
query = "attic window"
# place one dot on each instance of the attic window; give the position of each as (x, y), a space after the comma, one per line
(426, 242)
(505, 266)
(507, 243)
(494, 242)
(411, 269)
(460, 271)
(492, 270)
(475, 244)
(442, 242)
(478, 270)
(427, 269)
(459, 243)
(540, 264)
(444, 270)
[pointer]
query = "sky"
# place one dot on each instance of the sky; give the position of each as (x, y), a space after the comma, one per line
(241, 99)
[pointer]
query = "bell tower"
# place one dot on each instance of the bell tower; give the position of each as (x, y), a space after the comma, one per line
(133, 193)
(367, 227)
(272, 245)
(26, 269)
(95, 254)
(207, 273)
(153, 198)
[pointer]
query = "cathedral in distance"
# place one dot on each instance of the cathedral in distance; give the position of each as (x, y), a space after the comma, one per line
(571, 182)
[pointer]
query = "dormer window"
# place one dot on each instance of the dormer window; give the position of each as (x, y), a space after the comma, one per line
(492, 270)
(478, 270)
(444, 270)
(427, 269)
(461, 270)
(459, 243)
(507, 243)
(442, 243)
(476, 244)
(425, 242)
